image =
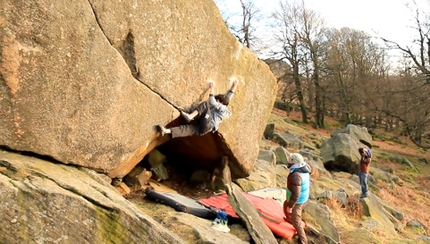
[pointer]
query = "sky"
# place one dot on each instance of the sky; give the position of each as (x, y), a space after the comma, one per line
(390, 19)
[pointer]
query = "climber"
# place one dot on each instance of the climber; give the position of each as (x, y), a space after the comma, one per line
(209, 114)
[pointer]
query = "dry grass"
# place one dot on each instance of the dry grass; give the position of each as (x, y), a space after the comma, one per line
(407, 148)
(353, 209)
(388, 165)
(293, 122)
(345, 218)
(424, 181)
(413, 203)
(412, 198)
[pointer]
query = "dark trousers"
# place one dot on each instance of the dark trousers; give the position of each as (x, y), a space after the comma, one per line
(202, 127)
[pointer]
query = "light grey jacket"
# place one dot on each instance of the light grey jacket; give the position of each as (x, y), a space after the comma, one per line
(219, 111)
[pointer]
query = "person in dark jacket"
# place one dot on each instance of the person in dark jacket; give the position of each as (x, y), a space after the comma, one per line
(298, 187)
(364, 168)
(209, 114)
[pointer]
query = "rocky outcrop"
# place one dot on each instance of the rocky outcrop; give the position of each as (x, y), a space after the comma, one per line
(358, 133)
(260, 233)
(44, 202)
(340, 152)
(85, 82)
(265, 176)
(282, 155)
(287, 140)
(202, 228)
(319, 215)
(378, 218)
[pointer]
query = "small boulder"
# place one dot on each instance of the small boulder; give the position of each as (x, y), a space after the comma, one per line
(270, 129)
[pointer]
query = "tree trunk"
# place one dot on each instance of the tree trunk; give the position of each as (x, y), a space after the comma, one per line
(300, 93)
(319, 93)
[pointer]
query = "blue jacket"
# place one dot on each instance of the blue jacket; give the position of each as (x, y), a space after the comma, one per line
(298, 186)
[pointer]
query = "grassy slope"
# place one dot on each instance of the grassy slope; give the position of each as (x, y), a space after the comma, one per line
(412, 198)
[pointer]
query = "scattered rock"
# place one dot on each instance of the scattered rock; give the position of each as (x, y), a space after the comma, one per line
(419, 228)
(270, 129)
(282, 155)
(287, 140)
(260, 233)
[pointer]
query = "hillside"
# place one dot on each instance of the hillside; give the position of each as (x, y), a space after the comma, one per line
(413, 195)
(407, 198)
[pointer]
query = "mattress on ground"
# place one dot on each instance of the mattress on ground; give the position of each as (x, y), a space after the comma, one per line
(181, 203)
(277, 193)
(269, 209)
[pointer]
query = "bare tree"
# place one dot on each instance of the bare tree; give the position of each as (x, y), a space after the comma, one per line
(312, 36)
(244, 30)
(355, 67)
(419, 50)
(288, 23)
(302, 35)
(415, 94)
(249, 13)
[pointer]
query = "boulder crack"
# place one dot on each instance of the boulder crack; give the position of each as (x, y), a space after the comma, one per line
(126, 49)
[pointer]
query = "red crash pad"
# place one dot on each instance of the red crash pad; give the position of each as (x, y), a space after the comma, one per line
(270, 211)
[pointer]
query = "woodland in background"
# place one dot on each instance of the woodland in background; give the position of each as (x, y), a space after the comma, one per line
(343, 73)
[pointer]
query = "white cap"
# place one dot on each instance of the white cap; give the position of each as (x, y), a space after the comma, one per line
(297, 158)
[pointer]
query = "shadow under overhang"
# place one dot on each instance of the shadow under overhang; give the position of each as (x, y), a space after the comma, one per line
(204, 151)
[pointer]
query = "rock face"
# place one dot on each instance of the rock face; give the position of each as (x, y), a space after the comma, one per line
(340, 152)
(259, 232)
(373, 209)
(85, 82)
(360, 134)
(44, 202)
